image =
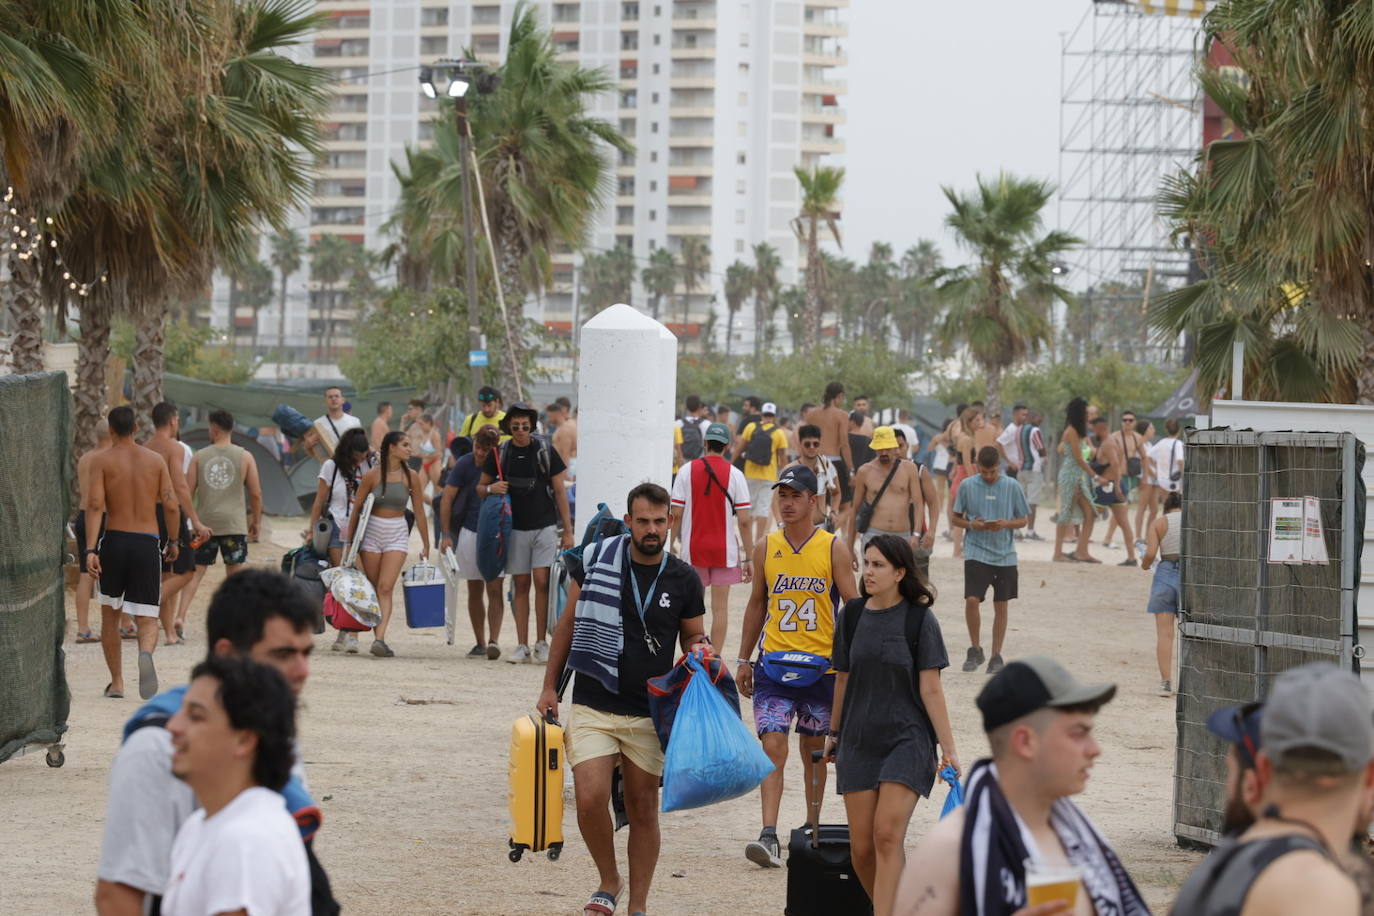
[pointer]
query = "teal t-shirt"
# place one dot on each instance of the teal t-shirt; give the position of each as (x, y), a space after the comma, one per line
(1001, 499)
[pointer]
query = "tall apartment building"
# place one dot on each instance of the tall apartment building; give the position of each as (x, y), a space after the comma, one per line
(722, 98)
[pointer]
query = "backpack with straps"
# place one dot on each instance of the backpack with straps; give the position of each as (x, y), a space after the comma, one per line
(759, 448)
(693, 441)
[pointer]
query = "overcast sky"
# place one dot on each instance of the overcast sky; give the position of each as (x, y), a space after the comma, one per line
(940, 90)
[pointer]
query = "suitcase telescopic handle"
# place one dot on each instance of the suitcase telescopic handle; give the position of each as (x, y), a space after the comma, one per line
(815, 784)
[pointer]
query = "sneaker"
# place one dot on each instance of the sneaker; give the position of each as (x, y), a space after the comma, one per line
(477, 651)
(541, 651)
(1033, 536)
(1109, 545)
(493, 651)
(765, 851)
(975, 658)
(1127, 562)
(521, 656)
(381, 649)
(995, 664)
(1165, 689)
(340, 642)
(352, 647)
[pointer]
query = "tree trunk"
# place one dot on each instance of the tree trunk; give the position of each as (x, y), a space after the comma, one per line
(812, 319)
(992, 403)
(26, 316)
(281, 328)
(686, 307)
(92, 361)
(329, 323)
(1364, 378)
(729, 329)
(513, 288)
(759, 309)
(149, 356)
(257, 309)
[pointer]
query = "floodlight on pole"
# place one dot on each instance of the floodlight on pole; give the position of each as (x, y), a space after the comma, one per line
(427, 83)
(457, 88)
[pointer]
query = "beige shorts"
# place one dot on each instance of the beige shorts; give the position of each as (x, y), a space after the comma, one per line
(592, 733)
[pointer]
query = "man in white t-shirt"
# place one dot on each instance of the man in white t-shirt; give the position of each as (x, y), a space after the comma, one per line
(328, 428)
(710, 504)
(903, 426)
(232, 744)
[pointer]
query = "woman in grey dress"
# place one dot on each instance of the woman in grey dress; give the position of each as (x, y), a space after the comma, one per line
(889, 712)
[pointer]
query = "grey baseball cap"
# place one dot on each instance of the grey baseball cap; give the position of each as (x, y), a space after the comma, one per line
(1320, 707)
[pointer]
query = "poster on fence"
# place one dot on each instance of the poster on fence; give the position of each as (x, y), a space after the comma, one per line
(1286, 527)
(1313, 540)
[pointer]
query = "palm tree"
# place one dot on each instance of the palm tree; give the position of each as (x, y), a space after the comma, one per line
(696, 263)
(997, 306)
(331, 258)
(919, 302)
(287, 251)
(250, 285)
(544, 162)
(607, 277)
(620, 273)
(739, 283)
(1280, 216)
(766, 267)
(659, 278)
(820, 197)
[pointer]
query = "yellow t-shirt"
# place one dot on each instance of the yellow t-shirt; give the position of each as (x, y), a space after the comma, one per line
(476, 421)
(767, 471)
(801, 595)
(677, 441)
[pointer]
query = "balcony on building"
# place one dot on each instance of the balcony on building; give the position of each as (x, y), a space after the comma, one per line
(825, 21)
(353, 48)
(823, 52)
(692, 103)
(694, 14)
(692, 74)
(693, 43)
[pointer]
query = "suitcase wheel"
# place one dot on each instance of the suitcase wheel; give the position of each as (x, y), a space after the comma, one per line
(516, 853)
(555, 851)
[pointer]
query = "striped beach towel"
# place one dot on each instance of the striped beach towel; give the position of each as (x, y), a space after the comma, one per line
(598, 631)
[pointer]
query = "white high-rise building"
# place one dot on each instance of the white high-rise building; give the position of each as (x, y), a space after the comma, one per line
(722, 99)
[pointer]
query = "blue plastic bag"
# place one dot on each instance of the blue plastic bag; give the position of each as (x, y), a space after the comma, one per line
(493, 536)
(955, 798)
(712, 755)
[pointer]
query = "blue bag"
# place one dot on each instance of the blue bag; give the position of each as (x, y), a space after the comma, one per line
(292, 422)
(712, 755)
(493, 536)
(955, 798)
(665, 693)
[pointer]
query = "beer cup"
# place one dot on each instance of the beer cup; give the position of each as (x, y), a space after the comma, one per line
(1051, 881)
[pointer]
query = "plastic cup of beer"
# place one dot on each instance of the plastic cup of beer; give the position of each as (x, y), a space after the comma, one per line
(1048, 882)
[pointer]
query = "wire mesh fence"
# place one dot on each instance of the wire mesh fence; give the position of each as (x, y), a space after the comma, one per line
(1244, 619)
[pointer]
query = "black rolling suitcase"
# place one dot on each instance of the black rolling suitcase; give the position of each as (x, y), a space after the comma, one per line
(820, 875)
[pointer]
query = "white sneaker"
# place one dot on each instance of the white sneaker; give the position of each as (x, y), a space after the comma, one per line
(521, 656)
(338, 644)
(352, 648)
(1165, 689)
(541, 651)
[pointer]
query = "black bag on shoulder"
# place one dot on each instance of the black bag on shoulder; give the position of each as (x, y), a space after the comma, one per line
(759, 448)
(863, 516)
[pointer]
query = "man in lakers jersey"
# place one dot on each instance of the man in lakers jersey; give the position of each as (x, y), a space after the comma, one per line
(802, 574)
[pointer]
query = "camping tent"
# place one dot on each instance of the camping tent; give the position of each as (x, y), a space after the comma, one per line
(278, 495)
(252, 404)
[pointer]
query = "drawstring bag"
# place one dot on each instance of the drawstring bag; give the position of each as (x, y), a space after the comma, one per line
(955, 798)
(494, 522)
(712, 755)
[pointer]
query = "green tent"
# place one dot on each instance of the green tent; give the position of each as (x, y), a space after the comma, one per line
(252, 404)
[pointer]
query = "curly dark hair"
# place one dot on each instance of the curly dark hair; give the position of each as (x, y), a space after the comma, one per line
(352, 443)
(256, 698)
(1076, 415)
(242, 605)
(898, 552)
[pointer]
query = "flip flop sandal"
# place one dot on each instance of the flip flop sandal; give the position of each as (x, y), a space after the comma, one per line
(87, 637)
(181, 637)
(601, 902)
(175, 642)
(1088, 560)
(128, 634)
(113, 694)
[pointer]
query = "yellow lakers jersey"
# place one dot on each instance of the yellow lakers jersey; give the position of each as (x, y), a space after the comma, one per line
(801, 595)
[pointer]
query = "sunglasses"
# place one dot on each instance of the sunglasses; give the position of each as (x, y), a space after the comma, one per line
(520, 427)
(811, 443)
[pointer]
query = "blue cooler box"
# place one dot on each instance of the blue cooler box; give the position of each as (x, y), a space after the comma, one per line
(423, 587)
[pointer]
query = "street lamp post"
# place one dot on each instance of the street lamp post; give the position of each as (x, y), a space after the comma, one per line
(460, 80)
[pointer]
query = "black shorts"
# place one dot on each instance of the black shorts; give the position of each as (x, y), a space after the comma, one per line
(79, 529)
(234, 547)
(186, 557)
(131, 572)
(842, 476)
(978, 576)
(1102, 498)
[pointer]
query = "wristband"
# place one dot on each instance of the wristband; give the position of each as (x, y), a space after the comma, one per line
(744, 661)
(835, 734)
(90, 550)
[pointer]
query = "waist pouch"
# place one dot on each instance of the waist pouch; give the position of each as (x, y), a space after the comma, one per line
(794, 669)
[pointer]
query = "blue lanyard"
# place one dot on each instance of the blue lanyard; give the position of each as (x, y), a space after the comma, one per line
(640, 600)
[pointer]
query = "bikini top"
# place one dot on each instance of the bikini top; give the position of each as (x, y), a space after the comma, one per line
(395, 496)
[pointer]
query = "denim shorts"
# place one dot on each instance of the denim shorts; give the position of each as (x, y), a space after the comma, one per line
(1164, 589)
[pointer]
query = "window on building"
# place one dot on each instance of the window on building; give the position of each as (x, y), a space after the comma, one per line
(630, 99)
(739, 246)
(655, 98)
(744, 69)
(658, 39)
(433, 45)
(653, 215)
(742, 128)
(434, 15)
(739, 186)
(629, 12)
(653, 127)
(741, 158)
(658, 10)
(744, 39)
(624, 216)
(629, 41)
(627, 126)
(625, 241)
(567, 12)
(626, 186)
(744, 98)
(486, 15)
(653, 185)
(739, 217)
(653, 155)
(655, 69)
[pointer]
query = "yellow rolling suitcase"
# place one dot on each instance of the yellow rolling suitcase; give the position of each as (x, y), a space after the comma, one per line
(536, 786)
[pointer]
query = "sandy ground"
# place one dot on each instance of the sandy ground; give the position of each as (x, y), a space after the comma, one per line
(414, 795)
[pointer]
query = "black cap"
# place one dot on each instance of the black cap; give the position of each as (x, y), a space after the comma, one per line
(1033, 683)
(798, 477)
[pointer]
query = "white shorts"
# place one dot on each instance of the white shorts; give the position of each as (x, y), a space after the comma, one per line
(531, 550)
(1032, 482)
(760, 497)
(386, 535)
(466, 554)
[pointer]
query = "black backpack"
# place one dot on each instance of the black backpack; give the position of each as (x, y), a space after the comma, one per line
(693, 442)
(759, 448)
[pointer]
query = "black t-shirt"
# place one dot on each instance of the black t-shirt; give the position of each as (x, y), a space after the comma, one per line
(678, 596)
(860, 450)
(532, 506)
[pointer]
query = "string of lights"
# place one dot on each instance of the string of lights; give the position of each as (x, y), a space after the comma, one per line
(28, 236)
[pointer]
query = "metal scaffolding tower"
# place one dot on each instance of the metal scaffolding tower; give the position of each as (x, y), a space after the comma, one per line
(1130, 114)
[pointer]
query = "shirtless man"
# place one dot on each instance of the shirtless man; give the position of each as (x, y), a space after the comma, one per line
(177, 573)
(85, 586)
(987, 434)
(380, 426)
(128, 482)
(1110, 464)
(861, 405)
(901, 505)
(833, 421)
(565, 434)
